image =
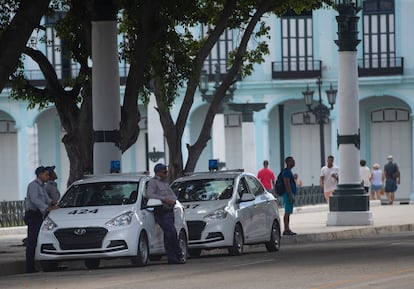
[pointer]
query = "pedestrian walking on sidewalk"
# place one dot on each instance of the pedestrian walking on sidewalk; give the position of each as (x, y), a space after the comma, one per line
(329, 178)
(377, 181)
(267, 177)
(365, 175)
(38, 204)
(289, 194)
(392, 179)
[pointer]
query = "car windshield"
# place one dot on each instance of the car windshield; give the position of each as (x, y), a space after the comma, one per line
(203, 190)
(100, 194)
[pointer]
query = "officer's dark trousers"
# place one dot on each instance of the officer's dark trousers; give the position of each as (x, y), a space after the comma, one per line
(165, 218)
(33, 221)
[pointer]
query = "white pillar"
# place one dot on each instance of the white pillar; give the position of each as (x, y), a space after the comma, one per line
(105, 96)
(349, 204)
(412, 164)
(249, 147)
(28, 156)
(155, 133)
(349, 118)
(218, 138)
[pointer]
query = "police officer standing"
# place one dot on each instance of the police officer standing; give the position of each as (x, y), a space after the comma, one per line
(38, 204)
(158, 188)
(51, 186)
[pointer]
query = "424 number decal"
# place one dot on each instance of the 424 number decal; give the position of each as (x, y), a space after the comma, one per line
(83, 211)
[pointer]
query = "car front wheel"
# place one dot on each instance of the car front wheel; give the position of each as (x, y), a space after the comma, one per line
(182, 241)
(274, 243)
(238, 241)
(141, 259)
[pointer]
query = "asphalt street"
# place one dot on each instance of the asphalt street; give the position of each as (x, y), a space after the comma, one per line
(384, 261)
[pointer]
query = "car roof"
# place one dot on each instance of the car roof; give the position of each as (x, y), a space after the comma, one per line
(212, 175)
(123, 177)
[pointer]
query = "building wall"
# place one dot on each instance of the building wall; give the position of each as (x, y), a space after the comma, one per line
(38, 137)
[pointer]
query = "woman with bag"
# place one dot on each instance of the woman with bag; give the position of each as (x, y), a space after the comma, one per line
(377, 181)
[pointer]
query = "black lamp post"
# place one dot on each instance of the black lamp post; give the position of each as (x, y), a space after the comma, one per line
(349, 204)
(204, 89)
(320, 111)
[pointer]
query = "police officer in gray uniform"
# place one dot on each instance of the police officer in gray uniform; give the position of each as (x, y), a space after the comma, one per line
(51, 185)
(158, 188)
(38, 204)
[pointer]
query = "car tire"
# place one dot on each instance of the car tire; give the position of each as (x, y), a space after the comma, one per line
(49, 266)
(92, 263)
(238, 241)
(194, 253)
(141, 259)
(274, 244)
(182, 241)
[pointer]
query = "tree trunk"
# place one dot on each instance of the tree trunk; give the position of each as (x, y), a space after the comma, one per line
(14, 39)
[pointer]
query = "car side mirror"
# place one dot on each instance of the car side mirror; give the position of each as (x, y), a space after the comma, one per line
(152, 203)
(247, 197)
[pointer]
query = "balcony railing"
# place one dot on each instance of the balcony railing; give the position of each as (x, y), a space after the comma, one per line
(294, 69)
(35, 76)
(381, 66)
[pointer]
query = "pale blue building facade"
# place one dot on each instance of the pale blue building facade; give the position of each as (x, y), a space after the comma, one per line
(302, 49)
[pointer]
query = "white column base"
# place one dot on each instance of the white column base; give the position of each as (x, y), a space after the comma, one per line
(356, 218)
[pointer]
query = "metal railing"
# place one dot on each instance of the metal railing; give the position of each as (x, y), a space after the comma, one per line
(12, 213)
(310, 195)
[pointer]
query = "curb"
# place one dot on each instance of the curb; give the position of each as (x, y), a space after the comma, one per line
(347, 234)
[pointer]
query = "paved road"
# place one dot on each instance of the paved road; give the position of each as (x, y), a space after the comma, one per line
(386, 261)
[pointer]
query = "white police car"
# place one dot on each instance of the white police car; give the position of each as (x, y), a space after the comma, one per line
(105, 217)
(228, 209)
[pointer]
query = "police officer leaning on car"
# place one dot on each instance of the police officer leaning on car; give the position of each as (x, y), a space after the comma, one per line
(38, 204)
(158, 188)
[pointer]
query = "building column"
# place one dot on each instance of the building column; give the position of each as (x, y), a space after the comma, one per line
(218, 138)
(106, 108)
(412, 153)
(349, 204)
(27, 156)
(248, 133)
(156, 153)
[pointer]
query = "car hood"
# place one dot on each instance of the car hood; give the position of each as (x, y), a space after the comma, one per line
(197, 210)
(78, 215)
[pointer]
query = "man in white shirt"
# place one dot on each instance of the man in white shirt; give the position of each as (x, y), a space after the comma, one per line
(329, 178)
(365, 174)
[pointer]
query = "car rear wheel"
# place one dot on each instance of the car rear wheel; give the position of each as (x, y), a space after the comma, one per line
(49, 266)
(194, 253)
(182, 241)
(238, 241)
(92, 263)
(141, 259)
(274, 243)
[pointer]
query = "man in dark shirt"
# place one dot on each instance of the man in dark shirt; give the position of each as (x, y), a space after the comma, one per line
(158, 188)
(392, 179)
(38, 204)
(289, 195)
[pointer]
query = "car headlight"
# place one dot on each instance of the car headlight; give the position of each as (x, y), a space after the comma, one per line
(216, 215)
(122, 220)
(48, 224)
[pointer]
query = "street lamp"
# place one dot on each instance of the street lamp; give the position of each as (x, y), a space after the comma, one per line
(204, 87)
(349, 204)
(320, 111)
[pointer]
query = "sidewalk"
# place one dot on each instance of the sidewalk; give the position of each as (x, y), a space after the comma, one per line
(309, 222)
